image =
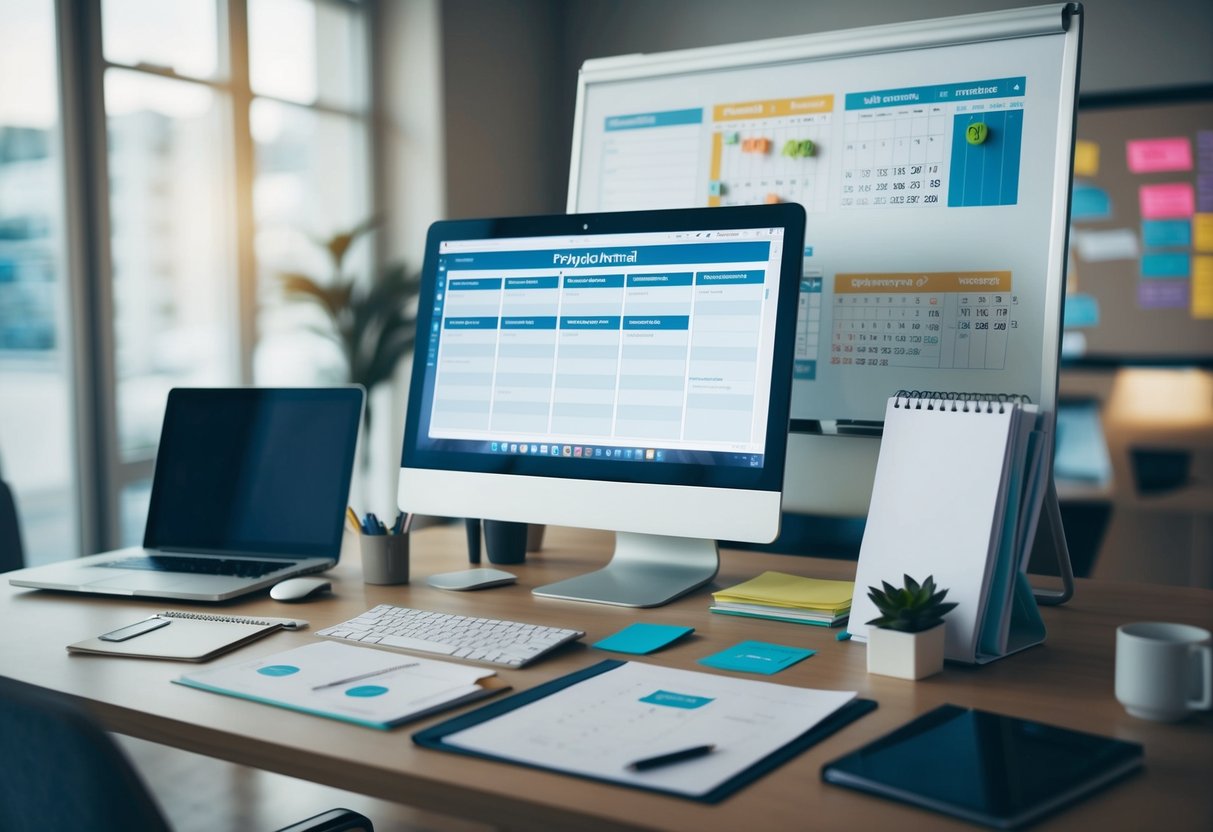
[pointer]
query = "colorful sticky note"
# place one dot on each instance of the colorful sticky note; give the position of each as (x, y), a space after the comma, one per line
(1089, 203)
(641, 638)
(1156, 155)
(1099, 246)
(1204, 190)
(1202, 287)
(1163, 294)
(1169, 201)
(1202, 233)
(1166, 233)
(757, 657)
(1086, 158)
(1081, 311)
(1166, 264)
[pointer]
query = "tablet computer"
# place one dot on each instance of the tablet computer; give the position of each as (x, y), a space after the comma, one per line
(986, 768)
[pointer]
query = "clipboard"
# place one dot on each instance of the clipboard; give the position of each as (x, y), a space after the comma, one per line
(435, 737)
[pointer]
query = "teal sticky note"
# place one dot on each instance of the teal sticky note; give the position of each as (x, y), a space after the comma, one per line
(1166, 264)
(1089, 203)
(642, 638)
(1081, 310)
(757, 657)
(1164, 233)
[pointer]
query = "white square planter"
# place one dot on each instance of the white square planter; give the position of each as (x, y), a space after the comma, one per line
(905, 655)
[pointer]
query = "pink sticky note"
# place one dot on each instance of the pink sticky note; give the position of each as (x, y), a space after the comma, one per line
(1165, 202)
(1154, 155)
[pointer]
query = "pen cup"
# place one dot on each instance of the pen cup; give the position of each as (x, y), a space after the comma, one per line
(385, 558)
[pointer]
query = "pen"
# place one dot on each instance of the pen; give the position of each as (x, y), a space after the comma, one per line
(672, 757)
(362, 676)
(352, 517)
(398, 526)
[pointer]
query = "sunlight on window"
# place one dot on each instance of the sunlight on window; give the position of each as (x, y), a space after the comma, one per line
(181, 35)
(174, 284)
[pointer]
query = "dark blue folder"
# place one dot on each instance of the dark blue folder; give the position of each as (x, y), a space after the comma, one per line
(435, 736)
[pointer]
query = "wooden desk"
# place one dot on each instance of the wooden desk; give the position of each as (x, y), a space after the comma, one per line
(1068, 681)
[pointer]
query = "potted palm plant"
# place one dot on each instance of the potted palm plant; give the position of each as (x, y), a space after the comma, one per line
(374, 323)
(907, 639)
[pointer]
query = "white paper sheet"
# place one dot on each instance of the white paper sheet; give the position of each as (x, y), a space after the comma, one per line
(356, 684)
(598, 726)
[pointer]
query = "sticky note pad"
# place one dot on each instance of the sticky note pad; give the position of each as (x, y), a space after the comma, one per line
(1174, 200)
(1157, 155)
(642, 638)
(757, 657)
(1086, 158)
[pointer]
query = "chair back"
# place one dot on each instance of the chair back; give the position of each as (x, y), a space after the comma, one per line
(61, 771)
(12, 555)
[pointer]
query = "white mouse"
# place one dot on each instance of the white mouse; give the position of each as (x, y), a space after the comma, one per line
(297, 589)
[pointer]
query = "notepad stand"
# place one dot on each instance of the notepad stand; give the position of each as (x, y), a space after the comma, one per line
(1057, 534)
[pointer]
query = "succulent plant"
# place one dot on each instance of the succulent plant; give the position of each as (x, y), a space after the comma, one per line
(910, 609)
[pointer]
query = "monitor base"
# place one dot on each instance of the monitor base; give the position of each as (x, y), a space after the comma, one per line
(647, 570)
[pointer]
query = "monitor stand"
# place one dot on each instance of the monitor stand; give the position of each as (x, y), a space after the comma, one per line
(647, 570)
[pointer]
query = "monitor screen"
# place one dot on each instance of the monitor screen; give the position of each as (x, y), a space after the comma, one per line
(1140, 289)
(254, 470)
(627, 356)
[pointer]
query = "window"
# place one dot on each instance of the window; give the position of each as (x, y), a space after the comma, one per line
(37, 447)
(230, 133)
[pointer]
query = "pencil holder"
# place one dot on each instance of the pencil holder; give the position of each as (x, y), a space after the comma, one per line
(505, 543)
(385, 558)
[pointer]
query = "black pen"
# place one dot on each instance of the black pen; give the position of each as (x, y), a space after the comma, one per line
(672, 757)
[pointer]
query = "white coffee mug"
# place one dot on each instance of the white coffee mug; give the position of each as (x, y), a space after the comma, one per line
(1163, 671)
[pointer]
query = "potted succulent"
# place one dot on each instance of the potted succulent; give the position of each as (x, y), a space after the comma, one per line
(907, 638)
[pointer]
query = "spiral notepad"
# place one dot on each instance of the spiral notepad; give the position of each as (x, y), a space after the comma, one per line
(957, 495)
(188, 637)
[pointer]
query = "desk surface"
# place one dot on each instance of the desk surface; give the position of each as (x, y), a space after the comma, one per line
(1067, 681)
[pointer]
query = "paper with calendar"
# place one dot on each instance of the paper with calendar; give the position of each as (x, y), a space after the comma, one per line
(600, 725)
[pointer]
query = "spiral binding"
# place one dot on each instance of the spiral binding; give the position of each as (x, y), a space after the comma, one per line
(227, 619)
(960, 402)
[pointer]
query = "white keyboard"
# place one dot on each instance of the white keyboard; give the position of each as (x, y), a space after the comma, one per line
(508, 643)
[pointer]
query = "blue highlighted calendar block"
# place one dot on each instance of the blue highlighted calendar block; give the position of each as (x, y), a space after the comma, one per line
(986, 173)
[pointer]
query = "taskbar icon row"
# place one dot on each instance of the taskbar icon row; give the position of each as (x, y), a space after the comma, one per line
(578, 451)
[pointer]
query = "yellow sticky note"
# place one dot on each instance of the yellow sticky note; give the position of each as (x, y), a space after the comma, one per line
(1202, 233)
(783, 590)
(1202, 287)
(1086, 158)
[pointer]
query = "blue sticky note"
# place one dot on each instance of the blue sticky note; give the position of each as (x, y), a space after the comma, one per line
(1088, 203)
(1165, 264)
(642, 638)
(757, 657)
(1165, 233)
(1081, 310)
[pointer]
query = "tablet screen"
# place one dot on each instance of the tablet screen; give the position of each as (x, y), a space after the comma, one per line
(984, 767)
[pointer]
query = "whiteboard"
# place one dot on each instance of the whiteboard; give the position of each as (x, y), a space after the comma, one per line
(935, 248)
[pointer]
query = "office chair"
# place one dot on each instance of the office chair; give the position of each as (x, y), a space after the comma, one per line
(12, 555)
(62, 771)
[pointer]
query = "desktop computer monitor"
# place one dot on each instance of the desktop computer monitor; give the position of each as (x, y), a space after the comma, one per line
(933, 161)
(627, 371)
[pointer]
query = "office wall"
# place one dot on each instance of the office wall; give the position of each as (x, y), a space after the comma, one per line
(511, 68)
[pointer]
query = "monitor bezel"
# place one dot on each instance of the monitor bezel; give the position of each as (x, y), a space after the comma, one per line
(768, 477)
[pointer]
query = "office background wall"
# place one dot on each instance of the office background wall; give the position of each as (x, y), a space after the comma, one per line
(510, 69)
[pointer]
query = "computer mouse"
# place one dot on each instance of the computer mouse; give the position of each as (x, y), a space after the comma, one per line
(298, 589)
(472, 579)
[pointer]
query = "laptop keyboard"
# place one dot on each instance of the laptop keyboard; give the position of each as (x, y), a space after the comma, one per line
(200, 566)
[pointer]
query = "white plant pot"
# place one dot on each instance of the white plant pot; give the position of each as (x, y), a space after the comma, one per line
(905, 655)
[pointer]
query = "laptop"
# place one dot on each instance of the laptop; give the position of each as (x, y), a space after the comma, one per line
(250, 487)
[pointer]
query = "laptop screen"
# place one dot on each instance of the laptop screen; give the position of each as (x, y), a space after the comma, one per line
(254, 471)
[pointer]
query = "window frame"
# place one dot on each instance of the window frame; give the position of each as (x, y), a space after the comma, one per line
(103, 475)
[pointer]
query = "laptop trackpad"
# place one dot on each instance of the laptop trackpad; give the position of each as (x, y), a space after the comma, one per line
(145, 582)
